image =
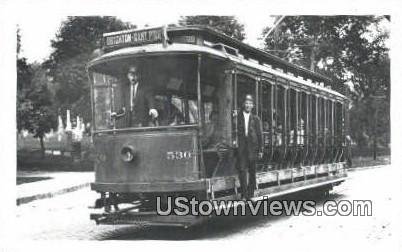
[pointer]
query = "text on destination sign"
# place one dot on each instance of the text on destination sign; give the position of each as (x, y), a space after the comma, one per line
(135, 37)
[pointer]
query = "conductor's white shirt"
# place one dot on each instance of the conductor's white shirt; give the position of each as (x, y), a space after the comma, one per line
(246, 119)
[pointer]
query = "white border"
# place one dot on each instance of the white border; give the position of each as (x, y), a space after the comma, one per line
(11, 11)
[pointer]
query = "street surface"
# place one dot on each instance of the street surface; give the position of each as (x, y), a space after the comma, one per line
(67, 217)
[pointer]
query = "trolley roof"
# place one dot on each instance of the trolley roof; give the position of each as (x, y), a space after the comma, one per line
(202, 39)
(249, 51)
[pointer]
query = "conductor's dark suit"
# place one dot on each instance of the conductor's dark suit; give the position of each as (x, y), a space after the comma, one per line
(142, 103)
(247, 153)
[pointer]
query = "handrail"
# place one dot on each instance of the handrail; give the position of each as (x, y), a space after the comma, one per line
(139, 129)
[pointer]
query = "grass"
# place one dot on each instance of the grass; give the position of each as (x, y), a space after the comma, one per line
(369, 161)
(29, 155)
(32, 161)
(30, 143)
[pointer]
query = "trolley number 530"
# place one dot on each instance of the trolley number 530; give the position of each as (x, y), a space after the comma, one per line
(178, 155)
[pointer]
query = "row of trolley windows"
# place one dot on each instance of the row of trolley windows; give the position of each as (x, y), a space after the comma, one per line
(296, 119)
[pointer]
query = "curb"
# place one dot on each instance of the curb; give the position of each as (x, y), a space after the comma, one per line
(28, 199)
(366, 167)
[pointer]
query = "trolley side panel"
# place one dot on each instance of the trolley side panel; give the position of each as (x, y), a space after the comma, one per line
(158, 157)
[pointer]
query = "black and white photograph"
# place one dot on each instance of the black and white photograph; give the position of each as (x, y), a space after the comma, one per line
(255, 124)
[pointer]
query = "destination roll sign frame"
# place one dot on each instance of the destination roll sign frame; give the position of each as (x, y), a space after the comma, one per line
(135, 37)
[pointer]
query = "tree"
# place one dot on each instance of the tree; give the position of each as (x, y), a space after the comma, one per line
(73, 48)
(352, 50)
(34, 110)
(338, 44)
(18, 41)
(24, 79)
(226, 24)
(24, 70)
(34, 102)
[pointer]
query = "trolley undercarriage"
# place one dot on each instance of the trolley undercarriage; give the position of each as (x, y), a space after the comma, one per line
(270, 184)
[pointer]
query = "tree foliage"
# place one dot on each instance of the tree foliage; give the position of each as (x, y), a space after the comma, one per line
(226, 24)
(37, 113)
(24, 70)
(352, 50)
(24, 80)
(18, 41)
(24, 74)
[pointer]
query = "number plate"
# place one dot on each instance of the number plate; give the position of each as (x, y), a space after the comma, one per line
(178, 155)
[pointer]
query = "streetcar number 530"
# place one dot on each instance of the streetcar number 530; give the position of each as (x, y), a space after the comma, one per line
(178, 155)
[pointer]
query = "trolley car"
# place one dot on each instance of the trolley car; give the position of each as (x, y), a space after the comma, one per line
(198, 77)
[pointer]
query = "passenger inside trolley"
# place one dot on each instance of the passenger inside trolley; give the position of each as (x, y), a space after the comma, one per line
(169, 107)
(211, 134)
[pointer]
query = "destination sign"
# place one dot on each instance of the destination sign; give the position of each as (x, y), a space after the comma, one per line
(134, 37)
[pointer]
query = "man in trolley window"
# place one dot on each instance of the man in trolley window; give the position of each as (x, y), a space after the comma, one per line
(250, 147)
(141, 105)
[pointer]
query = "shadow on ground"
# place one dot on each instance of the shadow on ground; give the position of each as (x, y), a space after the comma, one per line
(216, 228)
(23, 180)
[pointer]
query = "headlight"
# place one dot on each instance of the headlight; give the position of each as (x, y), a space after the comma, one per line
(127, 153)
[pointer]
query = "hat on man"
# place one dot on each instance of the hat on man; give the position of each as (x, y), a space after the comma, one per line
(248, 97)
(133, 69)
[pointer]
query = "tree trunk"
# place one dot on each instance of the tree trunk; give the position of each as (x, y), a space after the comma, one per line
(375, 133)
(42, 147)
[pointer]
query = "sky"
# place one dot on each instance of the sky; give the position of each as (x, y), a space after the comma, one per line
(36, 33)
(40, 20)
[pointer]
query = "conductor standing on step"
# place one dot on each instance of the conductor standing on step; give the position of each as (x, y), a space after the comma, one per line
(250, 147)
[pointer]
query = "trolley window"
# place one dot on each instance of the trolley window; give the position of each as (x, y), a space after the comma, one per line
(102, 100)
(167, 85)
